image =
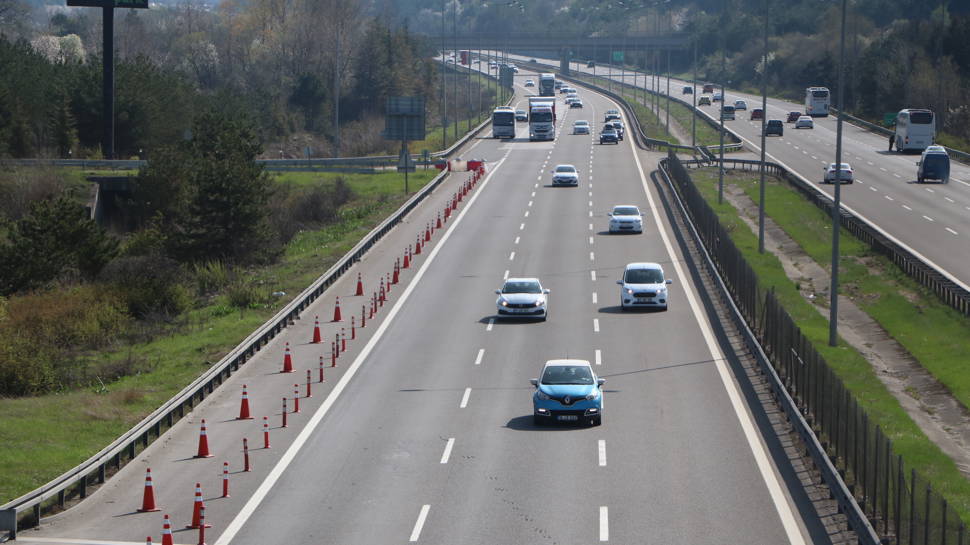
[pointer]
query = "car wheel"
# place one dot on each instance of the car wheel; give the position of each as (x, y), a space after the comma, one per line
(919, 180)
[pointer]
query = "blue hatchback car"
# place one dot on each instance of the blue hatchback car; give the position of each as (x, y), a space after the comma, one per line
(568, 391)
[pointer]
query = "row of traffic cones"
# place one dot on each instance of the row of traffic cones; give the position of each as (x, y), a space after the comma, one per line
(198, 512)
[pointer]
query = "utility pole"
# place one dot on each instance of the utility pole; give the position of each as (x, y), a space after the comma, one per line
(764, 136)
(720, 165)
(693, 94)
(444, 74)
(837, 205)
(454, 30)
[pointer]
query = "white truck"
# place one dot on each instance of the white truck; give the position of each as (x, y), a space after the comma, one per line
(542, 118)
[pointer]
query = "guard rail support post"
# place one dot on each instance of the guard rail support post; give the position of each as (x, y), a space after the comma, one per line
(8, 522)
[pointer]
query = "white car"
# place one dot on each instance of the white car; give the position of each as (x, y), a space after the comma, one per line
(570, 100)
(530, 83)
(523, 298)
(844, 176)
(576, 103)
(581, 126)
(804, 122)
(740, 105)
(626, 218)
(565, 175)
(643, 286)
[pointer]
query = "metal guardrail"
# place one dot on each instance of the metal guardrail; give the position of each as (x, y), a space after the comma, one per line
(95, 470)
(848, 505)
(950, 292)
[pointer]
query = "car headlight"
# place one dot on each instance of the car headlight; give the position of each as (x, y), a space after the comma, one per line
(505, 303)
(629, 291)
(539, 303)
(595, 394)
(542, 395)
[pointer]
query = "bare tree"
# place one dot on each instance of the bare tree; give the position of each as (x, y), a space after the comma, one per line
(341, 29)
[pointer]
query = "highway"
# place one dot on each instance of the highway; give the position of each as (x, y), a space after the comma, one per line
(931, 219)
(428, 435)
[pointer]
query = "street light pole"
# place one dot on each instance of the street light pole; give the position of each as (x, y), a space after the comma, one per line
(837, 205)
(693, 94)
(720, 114)
(764, 136)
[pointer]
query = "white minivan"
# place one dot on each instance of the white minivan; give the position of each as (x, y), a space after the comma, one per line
(643, 286)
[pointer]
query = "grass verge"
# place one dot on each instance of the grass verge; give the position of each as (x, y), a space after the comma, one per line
(41, 437)
(936, 338)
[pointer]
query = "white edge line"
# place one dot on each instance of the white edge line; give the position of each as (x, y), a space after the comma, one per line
(784, 509)
(419, 524)
(247, 511)
(447, 453)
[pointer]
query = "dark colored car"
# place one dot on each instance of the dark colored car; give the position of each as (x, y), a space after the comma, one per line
(590, 64)
(688, 90)
(608, 135)
(793, 117)
(757, 113)
(774, 126)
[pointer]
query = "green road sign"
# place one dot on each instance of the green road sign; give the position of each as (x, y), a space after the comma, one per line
(889, 119)
(617, 56)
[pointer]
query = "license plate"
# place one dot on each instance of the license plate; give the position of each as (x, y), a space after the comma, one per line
(567, 417)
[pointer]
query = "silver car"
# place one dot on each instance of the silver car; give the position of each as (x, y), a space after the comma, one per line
(626, 219)
(565, 175)
(804, 122)
(581, 127)
(522, 298)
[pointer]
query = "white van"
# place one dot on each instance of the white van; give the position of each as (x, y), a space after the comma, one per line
(934, 164)
(727, 112)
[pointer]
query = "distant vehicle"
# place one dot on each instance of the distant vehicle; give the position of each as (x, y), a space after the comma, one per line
(533, 61)
(708, 88)
(569, 100)
(547, 85)
(581, 126)
(530, 83)
(577, 103)
(611, 115)
(817, 101)
(567, 391)
(590, 64)
(522, 298)
(934, 164)
(464, 57)
(757, 113)
(804, 122)
(503, 122)
(558, 84)
(626, 219)
(774, 126)
(717, 97)
(608, 136)
(740, 105)
(727, 112)
(915, 130)
(542, 118)
(565, 175)
(643, 285)
(618, 127)
(844, 176)
(521, 115)
(793, 117)
(688, 90)
(704, 101)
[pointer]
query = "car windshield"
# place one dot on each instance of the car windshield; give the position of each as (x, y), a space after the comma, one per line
(626, 211)
(609, 130)
(521, 287)
(644, 276)
(567, 374)
(581, 123)
(565, 168)
(520, 112)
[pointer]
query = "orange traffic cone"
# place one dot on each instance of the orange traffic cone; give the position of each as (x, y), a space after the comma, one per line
(148, 540)
(395, 278)
(336, 311)
(148, 499)
(197, 508)
(287, 360)
(316, 330)
(203, 443)
(244, 406)
(360, 286)
(438, 223)
(167, 538)
(427, 233)
(417, 246)
(407, 259)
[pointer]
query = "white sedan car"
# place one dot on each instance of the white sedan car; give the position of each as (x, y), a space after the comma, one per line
(565, 175)
(844, 176)
(740, 105)
(522, 298)
(643, 285)
(530, 83)
(626, 219)
(581, 126)
(804, 122)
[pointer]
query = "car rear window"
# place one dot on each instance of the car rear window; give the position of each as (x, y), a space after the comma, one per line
(921, 118)
(774, 122)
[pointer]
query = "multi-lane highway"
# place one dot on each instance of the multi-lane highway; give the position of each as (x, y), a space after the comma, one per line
(933, 220)
(431, 439)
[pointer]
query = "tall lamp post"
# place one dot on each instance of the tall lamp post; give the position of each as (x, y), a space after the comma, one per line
(764, 136)
(837, 204)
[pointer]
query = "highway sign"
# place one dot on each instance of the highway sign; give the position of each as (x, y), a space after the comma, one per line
(138, 4)
(405, 118)
(617, 56)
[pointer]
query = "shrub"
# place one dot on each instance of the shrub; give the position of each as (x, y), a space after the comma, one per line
(210, 276)
(149, 285)
(244, 294)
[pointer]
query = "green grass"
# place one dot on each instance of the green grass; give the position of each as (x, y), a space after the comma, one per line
(937, 337)
(41, 437)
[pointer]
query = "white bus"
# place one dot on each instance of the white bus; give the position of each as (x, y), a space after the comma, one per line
(817, 101)
(915, 129)
(503, 122)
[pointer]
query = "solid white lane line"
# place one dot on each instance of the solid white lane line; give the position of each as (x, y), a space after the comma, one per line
(594, 297)
(598, 356)
(907, 208)
(464, 398)
(775, 491)
(602, 452)
(447, 453)
(512, 256)
(478, 358)
(516, 240)
(419, 524)
(596, 325)
(264, 488)
(592, 275)
(952, 231)
(604, 523)
(927, 218)
(591, 256)
(491, 323)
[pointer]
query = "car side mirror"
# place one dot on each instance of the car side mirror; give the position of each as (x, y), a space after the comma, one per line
(620, 282)
(499, 292)
(600, 382)
(918, 163)
(534, 382)
(546, 291)
(670, 281)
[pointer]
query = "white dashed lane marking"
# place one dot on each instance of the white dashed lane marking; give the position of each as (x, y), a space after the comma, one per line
(952, 232)
(464, 398)
(596, 325)
(491, 323)
(478, 358)
(447, 453)
(423, 515)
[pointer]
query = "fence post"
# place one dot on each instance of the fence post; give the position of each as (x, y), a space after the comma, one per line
(943, 542)
(926, 519)
(885, 494)
(912, 507)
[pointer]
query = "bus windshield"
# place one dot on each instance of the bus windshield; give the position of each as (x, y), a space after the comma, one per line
(503, 118)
